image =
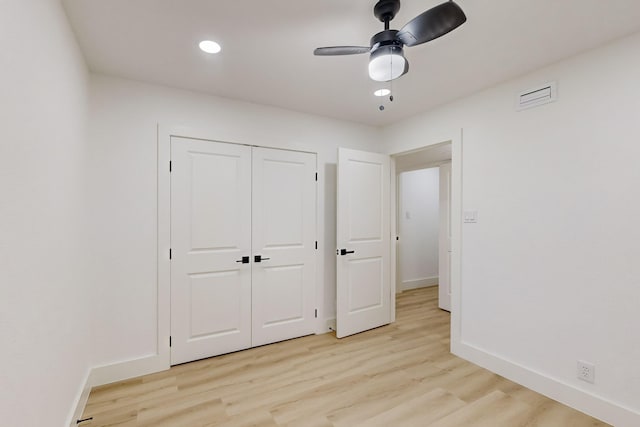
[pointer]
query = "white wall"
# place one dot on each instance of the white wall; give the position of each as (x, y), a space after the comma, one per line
(123, 163)
(550, 273)
(418, 222)
(45, 293)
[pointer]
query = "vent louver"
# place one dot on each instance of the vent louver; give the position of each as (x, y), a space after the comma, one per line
(537, 96)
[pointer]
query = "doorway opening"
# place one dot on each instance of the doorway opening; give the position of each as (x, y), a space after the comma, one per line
(423, 220)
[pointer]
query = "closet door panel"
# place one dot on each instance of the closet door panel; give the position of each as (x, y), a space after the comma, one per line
(210, 232)
(283, 240)
(230, 202)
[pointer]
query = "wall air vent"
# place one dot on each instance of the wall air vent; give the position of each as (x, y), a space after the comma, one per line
(537, 96)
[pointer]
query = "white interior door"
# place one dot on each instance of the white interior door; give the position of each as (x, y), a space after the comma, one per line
(444, 259)
(363, 256)
(210, 233)
(284, 230)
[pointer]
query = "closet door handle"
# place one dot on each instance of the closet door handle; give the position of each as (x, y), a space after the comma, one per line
(258, 258)
(343, 252)
(244, 260)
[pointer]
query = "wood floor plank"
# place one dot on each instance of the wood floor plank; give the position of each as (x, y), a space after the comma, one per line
(552, 413)
(398, 375)
(420, 410)
(180, 408)
(495, 409)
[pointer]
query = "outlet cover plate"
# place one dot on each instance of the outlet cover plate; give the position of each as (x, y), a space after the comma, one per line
(586, 371)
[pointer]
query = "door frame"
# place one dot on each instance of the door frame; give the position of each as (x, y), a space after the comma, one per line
(162, 359)
(456, 226)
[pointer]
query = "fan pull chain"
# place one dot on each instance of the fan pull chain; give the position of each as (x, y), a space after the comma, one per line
(390, 83)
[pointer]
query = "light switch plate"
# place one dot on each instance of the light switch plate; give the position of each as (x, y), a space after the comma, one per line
(470, 217)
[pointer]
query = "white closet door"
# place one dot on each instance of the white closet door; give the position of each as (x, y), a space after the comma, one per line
(210, 233)
(284, 230)
(363, 264)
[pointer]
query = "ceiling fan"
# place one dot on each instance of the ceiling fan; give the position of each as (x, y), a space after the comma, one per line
(387, 61)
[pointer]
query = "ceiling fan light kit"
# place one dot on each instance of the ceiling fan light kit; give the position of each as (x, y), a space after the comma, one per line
(387, 61)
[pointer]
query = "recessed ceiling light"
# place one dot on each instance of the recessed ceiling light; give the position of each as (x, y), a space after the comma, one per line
(382, 92)
(209, 46)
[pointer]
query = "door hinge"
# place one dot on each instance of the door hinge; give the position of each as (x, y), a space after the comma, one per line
(316, 245)
(170, 165)
(169, 340)
(170, 253)
(316, 176)
(316, 313)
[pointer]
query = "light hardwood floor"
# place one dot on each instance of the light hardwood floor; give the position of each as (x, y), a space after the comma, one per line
(397, 375)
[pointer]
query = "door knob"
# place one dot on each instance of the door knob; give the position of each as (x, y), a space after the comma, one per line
(258, 258)
(343, 252)
(244, 260)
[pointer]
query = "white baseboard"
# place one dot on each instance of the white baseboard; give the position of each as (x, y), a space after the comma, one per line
(130, 369)
(81, 401)
(591, 404)
(424, 282)
(107, 374)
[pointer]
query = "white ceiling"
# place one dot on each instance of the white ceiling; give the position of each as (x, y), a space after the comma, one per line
(267, 55)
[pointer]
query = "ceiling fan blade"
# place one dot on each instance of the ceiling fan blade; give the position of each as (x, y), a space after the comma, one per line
(433, 23)
(341, 50)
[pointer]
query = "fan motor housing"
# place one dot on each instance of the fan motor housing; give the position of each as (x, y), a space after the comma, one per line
(384, 38)
(385, 10)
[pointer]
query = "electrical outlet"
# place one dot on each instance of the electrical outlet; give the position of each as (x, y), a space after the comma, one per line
(586, 371)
